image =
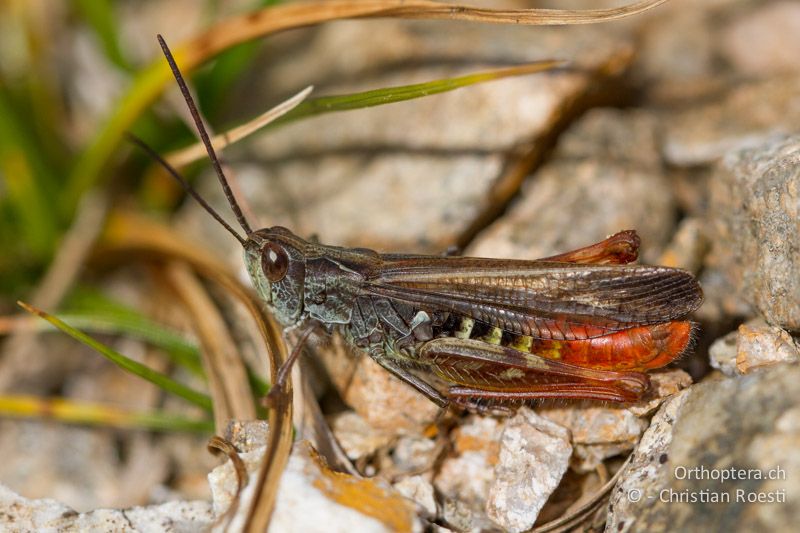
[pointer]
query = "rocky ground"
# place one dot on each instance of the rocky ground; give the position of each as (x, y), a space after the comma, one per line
(681, 124)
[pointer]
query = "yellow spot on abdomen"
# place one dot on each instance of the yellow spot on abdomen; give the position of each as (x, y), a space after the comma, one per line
(465, 328)
(553, 352)
(522, 343)
(494, 336)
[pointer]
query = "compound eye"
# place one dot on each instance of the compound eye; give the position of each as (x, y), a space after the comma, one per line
(274, 262)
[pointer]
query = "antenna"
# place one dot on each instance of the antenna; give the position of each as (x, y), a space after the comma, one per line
(188, 188)
(201, 129)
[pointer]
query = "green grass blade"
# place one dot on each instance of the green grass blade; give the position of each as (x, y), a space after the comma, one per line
(346, 102)
(157, 378)
(390, 95)
(180, 350)
(93, 311)
(74, 412)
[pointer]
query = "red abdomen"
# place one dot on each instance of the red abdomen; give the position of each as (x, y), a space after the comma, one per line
(639, 348)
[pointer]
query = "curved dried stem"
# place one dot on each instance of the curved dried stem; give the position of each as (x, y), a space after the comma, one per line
(227, 376)
(217, 445)
(274, 19)
(130, 235)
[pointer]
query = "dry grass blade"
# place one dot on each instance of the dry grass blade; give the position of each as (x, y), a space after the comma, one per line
(277, 455)
(273, 19)
(190, 154)
(128, 234)
(531, 16)
(227, 377)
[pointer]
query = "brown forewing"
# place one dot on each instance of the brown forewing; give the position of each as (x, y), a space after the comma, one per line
(542, 299)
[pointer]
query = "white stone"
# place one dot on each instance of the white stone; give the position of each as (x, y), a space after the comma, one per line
(534, 454)
(420, 490)
(50, 516)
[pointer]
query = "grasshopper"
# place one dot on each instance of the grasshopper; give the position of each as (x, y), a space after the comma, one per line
(475, 332)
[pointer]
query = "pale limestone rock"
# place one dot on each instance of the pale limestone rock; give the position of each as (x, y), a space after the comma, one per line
(534, 454)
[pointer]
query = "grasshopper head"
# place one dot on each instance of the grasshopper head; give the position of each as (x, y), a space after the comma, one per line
(275, 260)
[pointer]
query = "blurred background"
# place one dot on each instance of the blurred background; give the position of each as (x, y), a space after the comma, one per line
(65, 68)
(68, 75)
